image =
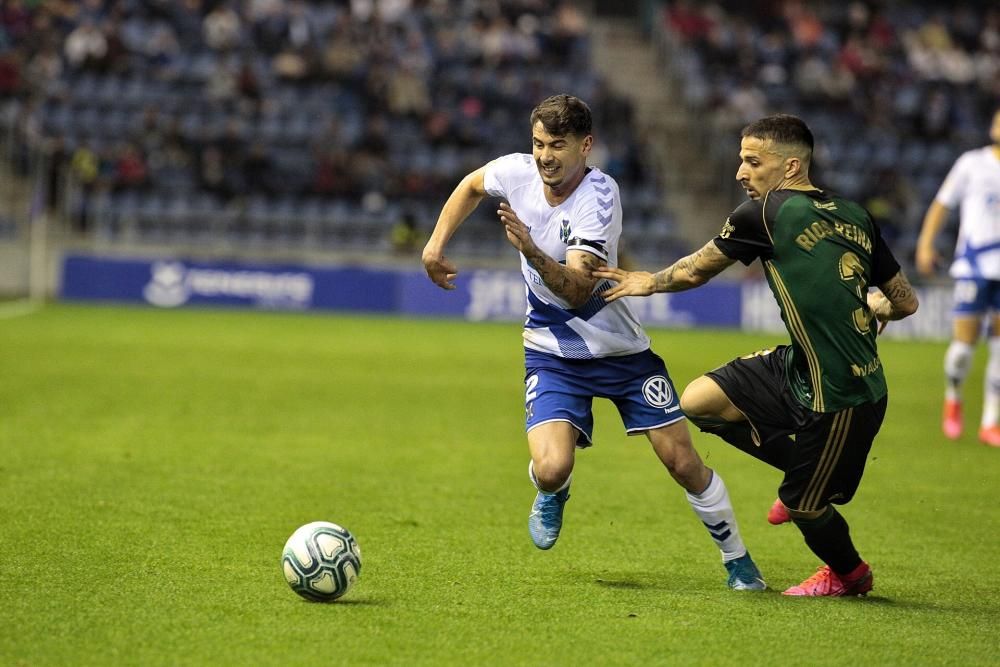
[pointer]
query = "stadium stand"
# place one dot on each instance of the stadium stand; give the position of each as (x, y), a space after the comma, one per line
(894, 91)
(294, 123)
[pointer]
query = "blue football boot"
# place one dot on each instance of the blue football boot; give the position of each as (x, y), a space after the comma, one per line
(744, 575)
(545, 519)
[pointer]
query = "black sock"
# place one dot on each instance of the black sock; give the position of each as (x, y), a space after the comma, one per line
(830, 538)
(776, 453)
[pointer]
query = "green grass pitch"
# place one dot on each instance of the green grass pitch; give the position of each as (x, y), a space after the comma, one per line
(153, 464)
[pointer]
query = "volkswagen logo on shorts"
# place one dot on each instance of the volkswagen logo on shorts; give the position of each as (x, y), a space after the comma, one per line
(657, 391)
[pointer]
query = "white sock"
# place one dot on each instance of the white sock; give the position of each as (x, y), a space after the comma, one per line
(534, 480)
(715, 511)
(957, 360)
(991, 390)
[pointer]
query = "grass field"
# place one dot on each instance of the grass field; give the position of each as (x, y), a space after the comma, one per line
(153, 464)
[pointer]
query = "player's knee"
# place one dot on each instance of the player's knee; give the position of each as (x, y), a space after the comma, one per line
(695, 399)
(552, 471)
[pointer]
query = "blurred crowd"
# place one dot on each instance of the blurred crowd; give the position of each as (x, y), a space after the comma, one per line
(894, 90)
(277, 113)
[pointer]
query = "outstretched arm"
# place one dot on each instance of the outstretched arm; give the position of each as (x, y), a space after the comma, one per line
(927, 256)
(462, 202)
(687, 272)
(573, 281)
(895, 301)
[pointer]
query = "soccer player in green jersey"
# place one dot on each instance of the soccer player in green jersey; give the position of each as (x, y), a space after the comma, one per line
(810, 408)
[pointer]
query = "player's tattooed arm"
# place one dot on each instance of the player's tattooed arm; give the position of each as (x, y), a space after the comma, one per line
(691, 271)
(687, 272)
(572, 282)
(896, 300)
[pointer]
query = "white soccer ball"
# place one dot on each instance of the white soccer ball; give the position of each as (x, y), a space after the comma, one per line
(321, 561)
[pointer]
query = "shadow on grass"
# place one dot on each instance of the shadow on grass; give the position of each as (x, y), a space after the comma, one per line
(693, 587)
(626, 584)
(349, 602)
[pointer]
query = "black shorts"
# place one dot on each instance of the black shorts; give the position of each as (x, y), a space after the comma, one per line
(822, 454)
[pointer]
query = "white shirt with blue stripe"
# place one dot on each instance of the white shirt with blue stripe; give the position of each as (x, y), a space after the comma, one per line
(590, 219)
(974, 184)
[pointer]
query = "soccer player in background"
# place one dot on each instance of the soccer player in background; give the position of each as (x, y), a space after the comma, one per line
(974, 185)
(811, 408)
(565, 218)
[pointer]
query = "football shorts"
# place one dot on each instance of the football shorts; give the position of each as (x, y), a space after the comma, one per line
(558, 389)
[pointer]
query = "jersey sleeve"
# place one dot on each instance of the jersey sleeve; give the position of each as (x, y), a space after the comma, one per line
(596, 222)
(744, 236)
(503, 173)
(953, 188)
(884, 264)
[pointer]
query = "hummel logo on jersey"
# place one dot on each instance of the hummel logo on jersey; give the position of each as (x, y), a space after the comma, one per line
(564, 231)
(825, 205)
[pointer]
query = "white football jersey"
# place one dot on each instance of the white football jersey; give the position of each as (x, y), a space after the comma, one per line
(974, 184)
(589, 220)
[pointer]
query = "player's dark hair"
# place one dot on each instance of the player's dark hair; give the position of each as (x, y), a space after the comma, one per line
(781, 128)
(563, 115)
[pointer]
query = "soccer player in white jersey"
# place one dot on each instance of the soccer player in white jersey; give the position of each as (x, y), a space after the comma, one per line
(565, 219)
(973, 185)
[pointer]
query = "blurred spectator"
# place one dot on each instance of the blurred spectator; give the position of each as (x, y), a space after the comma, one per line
(407, 92)
(258, 171)
(85, 169)
(44, 69)
(131, 171)
(222, 82)
(15, 20)
(406, 238)
(10, 73)
(170, 167)
(905, 84)
(222, 28)
(86, 46)
(290, 65)
(374, 104)
(332, 174)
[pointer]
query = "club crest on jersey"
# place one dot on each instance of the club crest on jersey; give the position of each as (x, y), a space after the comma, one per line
(564, 231)
(727, 229)
(657, 391)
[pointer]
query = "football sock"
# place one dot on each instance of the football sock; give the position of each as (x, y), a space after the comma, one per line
(956, 366)
(715, 511)
(775, 453)
(830, 538)
(534, 480)
(991, 390)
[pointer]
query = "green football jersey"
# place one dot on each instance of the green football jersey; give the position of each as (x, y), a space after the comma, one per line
(820, 253)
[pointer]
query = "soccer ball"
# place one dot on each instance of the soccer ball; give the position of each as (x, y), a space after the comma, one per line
(321, 561)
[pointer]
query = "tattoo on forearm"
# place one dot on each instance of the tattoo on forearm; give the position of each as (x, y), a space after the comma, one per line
(900, 291)
(568, 283)
(691, 271)
(898, 299)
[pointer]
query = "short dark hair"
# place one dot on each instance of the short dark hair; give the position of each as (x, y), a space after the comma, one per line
(563, 115)
(781, 128)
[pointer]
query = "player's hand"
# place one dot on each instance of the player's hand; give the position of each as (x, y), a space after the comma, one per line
(518, 233)
(439, 269)
(630, 283)
(927, 260)
(876, 304)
